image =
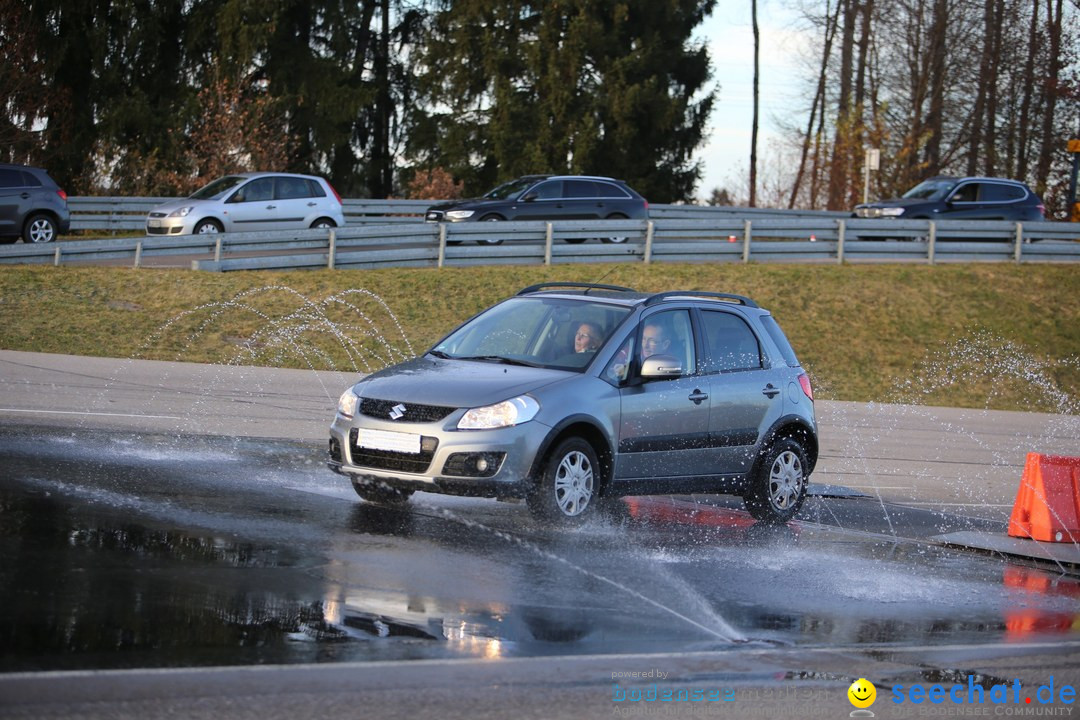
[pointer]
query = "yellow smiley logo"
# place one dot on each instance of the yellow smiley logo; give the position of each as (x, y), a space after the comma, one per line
(862, 693)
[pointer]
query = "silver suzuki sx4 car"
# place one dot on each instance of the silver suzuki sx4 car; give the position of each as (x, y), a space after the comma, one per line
(572, 395)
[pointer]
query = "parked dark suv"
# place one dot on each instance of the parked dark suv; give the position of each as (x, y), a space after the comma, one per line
(955, 198)
(549, 197)
(567, 394)
(32, 206)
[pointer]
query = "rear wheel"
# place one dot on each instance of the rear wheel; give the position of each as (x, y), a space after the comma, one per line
(381, 494)
(39, 229)
(778, 486)
(491, 241)
(324, 223)
(619, 239)
(566, 492)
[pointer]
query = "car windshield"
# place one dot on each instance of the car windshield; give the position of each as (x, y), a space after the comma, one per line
(217, 188)
(929, 190)
(510, 190)
(544, 332)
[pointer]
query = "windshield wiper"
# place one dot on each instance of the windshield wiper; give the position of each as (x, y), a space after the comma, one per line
(440, 354)
(501, 359)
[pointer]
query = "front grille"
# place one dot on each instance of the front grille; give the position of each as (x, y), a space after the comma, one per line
(157, 214)
(394, 461)
(406, 412)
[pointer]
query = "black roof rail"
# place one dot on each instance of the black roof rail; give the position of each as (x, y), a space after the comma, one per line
(661, 297)
(588, 286)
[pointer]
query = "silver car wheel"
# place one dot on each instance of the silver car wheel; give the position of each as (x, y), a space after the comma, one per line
(40, 230)
(491, 241)
(574, 483)
(208, 227)
(786, 480)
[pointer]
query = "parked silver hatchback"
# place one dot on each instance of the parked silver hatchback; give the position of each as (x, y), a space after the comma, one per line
(567, 395)
(249, 202)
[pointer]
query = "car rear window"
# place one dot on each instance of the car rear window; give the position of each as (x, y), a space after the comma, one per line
(999, 192)
(604, 189)
(780, 339)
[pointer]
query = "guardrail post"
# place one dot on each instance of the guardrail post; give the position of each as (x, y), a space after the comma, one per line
(442, 244)
(841, 228)
(650, 232)
(56, 256)
(1019, 241)
(932, 237)
(138, 253)
(217, 249)
(332, 251)
(746, 242)
(549, 235)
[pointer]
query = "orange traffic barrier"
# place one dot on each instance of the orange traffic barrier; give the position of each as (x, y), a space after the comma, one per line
(1047, 506)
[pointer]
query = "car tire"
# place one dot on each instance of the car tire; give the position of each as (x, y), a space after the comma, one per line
(566, 492)
(39, 228)
(491, 218)
(778, 484)
(208, 227)
(323, 223)
(618, 240)
(381, 494)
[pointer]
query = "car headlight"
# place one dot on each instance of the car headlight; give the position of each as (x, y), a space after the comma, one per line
(346, 404)
(460, 214)
(181, 212)
(892, 212)
(505, 414)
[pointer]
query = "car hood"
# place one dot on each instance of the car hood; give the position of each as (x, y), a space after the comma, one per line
(429, 380)
(467, 204)
(168, 207)
(895, 202)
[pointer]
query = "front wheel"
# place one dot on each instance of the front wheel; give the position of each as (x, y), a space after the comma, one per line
(39, 229)
(778, 486)
(566, 492)
(208, 227)
(493, 240)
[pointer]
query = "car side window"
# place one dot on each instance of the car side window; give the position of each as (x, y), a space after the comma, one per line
(10, 178)
(608, 190)
(669, 333)
(968, 192)
(729, 342)
(580, 189)
(550, 190)
(255, 191)
(315, 189)
(30, 180)
(998, 192)
(287, 188)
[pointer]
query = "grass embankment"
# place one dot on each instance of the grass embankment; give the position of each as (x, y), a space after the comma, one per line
(997, 336)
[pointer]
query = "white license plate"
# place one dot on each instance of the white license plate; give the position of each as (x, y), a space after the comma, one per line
(386, 440)
(153, 223)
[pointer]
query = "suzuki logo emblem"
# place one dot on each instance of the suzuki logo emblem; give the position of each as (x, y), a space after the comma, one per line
(397, 411)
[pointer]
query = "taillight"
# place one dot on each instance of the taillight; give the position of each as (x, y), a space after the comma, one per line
(335, 192)
(62, 194)
(1041, 209)
(804, 382)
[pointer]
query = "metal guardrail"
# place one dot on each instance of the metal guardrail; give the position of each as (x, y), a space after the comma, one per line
(128, 214)
(812, 239)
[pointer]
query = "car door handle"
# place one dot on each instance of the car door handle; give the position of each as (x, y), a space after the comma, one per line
(770, 391)
(697, 397)
(271, 207)
(25, 196)
(312, 204)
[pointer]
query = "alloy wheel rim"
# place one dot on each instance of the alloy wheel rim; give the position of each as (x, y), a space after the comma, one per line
(40, 231)
(573, 483)
(785, 480)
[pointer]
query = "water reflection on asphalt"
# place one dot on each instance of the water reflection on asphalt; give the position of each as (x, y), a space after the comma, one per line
(115, 554)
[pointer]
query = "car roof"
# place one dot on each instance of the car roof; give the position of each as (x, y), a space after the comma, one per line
(570, 177)
(630, 297)
(263, 173)
(979, 178)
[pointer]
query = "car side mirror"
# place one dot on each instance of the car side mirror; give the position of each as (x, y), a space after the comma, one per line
(661, 366)
(529, 197)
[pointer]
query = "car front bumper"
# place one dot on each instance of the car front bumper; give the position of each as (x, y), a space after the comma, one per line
(448, 459)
